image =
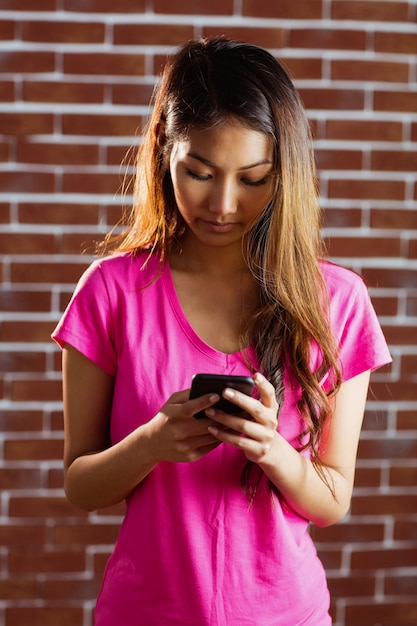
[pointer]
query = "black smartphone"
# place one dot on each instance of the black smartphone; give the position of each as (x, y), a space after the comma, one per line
(215, 383)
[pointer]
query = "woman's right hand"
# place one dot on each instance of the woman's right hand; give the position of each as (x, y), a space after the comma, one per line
(175, 435)
(98, 474)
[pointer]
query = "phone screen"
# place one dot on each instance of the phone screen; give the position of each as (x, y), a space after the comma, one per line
(215, 383)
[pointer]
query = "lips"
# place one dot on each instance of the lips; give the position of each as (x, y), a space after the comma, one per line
(219, 227)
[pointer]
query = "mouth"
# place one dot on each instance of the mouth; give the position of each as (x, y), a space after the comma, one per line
(219, 227)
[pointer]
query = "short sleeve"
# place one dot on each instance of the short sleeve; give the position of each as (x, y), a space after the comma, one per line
(87, 323)
(361, 342)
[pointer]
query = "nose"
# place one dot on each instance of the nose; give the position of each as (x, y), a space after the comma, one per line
(223, 199)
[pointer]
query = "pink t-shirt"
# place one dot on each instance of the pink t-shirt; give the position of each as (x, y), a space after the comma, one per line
(192, 550)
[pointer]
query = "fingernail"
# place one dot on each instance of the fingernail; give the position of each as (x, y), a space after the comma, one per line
(229, 393)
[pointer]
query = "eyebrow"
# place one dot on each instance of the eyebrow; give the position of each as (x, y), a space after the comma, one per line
(198, 157)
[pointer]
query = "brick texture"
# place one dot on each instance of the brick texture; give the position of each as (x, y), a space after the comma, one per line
(76, 77)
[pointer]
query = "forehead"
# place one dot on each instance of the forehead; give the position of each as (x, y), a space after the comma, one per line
(229, 143)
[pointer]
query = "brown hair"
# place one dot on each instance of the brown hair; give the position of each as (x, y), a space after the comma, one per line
(203, 84)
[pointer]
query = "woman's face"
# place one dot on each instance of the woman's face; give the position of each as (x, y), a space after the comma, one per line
(222, 180)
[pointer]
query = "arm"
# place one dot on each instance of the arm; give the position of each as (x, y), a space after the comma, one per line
(97, 474)
(295, 476)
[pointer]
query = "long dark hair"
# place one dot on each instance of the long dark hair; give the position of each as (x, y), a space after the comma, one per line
(204, 84)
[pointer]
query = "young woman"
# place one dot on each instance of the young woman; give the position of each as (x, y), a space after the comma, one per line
(219, 270)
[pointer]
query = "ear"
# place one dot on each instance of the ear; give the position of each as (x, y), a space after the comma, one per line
(160, 137)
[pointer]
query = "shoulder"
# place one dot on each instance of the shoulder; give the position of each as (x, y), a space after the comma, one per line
(124, 269)
(338, 278)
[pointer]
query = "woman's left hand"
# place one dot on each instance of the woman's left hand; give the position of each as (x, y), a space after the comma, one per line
(255, 436)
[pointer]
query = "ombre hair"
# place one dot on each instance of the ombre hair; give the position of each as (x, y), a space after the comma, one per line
(210, 82)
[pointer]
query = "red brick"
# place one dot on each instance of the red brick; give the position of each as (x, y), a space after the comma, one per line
(353, 587)
(382, 505)
(63, 32)
(331, 98)
(385, 305)
(47, 272)
(100, 125)
(307, 67)
(81, 589)
(4, 213)
(57, 153)
(400, 335)
(26, 124)
(22, 243)
(84, 534)
(367, 189)
(20, 421)
(342, 218)
(7, 92)
(105, 6)
(368, 10)
(395, 101)
(17, 479)
(128, 94)
(391, 42)
(399, 448)
(265, 37)
(27, 5)
(4, 151)
(400, 613)
(402, 391)
(44, 507)
(7, 30)
(22, 361)
(63, 91)
(345, 533)
(367, 477)
(46, 616)
(120, 155)
(401, 585)
(394, 160)
(381, 71)
(18, 589)
(27, 182)
(152, 34)
(328, 38)
(364, 130)
(57, 213)
(22, 332)
(102, 183)
(390, 219)
(405, 530)
(338, 159)
(388, 558)
(412, 249)
(199, 7)
(391, 278)
(403, 475)
(104, 64)
(23, 62)
(406, 420)
(78, 243)
(55, 479)
(364, 247)
(285, 9)
(33, 449)
(375, 420)
(409, 365)
(36, 390)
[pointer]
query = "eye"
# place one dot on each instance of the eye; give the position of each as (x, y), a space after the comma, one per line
(254, 183)
(195, 176)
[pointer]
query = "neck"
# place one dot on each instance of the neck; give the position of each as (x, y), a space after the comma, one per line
(191, 255)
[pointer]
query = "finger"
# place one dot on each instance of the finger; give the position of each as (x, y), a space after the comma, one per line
(199, 405)
(266, 391)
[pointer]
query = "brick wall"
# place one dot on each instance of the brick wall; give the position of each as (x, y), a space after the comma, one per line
(76, 77)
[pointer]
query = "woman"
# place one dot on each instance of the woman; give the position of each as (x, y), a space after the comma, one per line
(219, 270)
